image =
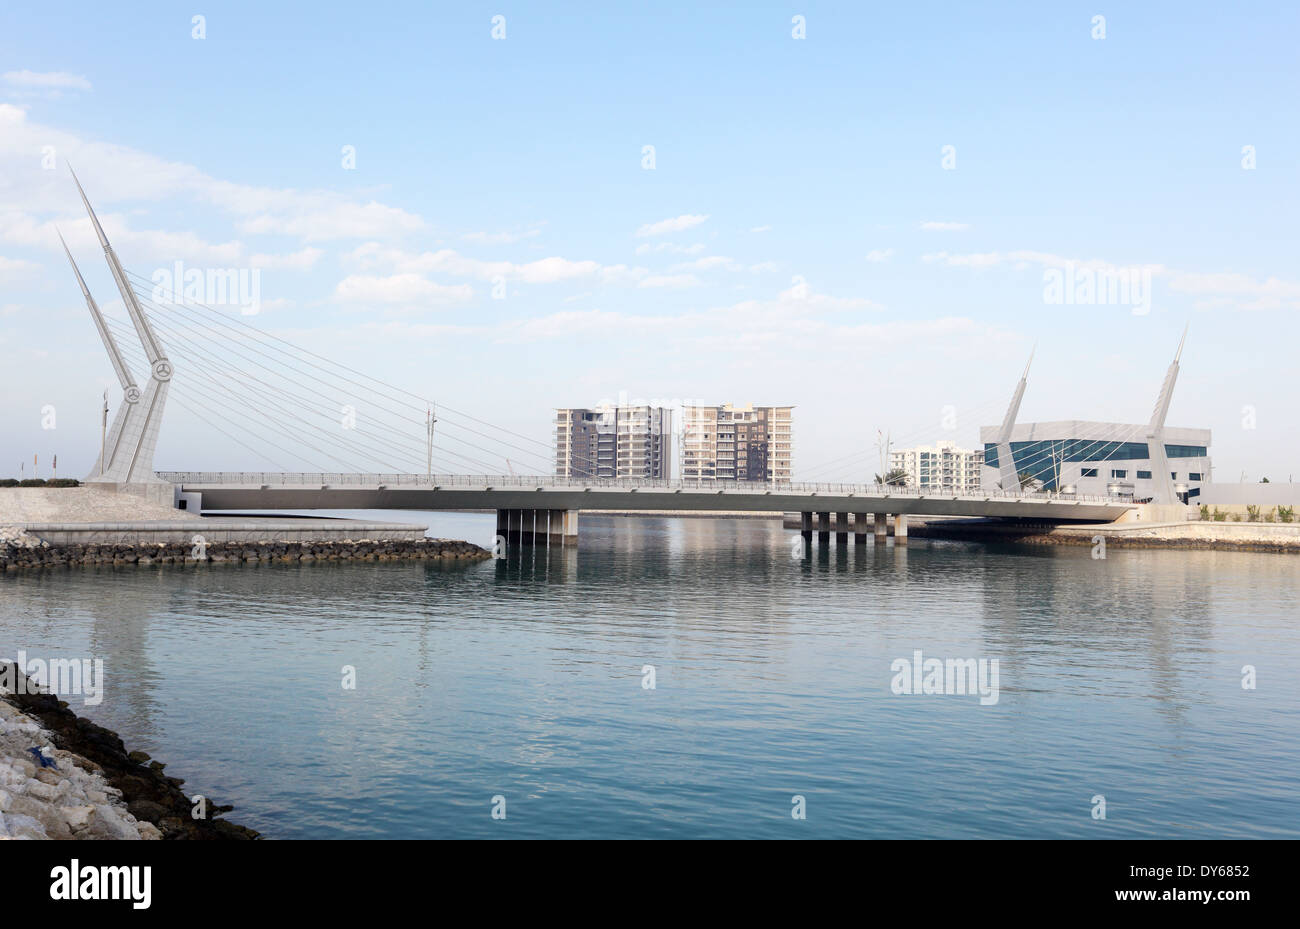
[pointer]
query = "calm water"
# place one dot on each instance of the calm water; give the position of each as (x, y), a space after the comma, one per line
(523, 678)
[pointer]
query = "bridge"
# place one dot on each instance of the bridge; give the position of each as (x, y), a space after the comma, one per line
(543, 510)
(530, 510)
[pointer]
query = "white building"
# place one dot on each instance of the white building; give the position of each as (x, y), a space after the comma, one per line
(737, 443)
(614, 441)
(944, 467)
(1104, 459)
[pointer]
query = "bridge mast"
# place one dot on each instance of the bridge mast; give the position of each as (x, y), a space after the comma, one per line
(130, 392)
(129, 451)
(1007, 475)
(1163, 480)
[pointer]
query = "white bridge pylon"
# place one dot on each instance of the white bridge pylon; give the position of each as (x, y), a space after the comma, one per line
(127, 456)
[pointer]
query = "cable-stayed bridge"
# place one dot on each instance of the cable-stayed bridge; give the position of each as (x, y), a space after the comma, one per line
(368, 444)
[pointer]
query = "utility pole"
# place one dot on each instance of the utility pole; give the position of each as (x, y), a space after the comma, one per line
(103, 435)
(882, 446)
(430, 417)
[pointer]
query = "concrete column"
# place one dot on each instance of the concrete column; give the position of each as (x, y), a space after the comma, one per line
(900, 529)
(514, 524)
(859, 528)
(503, 525)
(570, 530)
(806, 529)
(882, 528)
(824, 529)
(528, 531)
(555, 531)
(841, 529)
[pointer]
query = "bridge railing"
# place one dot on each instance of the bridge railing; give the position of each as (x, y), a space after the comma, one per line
(495, 481)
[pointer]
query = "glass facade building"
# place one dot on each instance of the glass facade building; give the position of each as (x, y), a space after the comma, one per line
(1098, 458)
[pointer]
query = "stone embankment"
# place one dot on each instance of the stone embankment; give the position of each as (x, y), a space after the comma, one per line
(23, 550)
(63, 777)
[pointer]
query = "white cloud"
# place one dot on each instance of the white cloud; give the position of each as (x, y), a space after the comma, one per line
(761, 229)
(647, 248)
(709, 263)
(676, 224)
(11, 268)
(551, 270)
(500, 238)
(944, 227)
(113, 174)
(670, 280)
(47, 80)
(303, 260)
(399, 288)
(1239, 291)
(333, 219)
(877, 255)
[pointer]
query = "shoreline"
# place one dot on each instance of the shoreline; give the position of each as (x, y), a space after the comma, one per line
(1188, 536)
(26, 551)
(65, 777)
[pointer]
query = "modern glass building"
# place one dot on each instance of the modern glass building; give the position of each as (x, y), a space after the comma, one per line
(1110, 459)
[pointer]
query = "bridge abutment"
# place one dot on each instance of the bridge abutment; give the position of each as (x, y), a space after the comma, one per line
(882, 528)
(900, 528)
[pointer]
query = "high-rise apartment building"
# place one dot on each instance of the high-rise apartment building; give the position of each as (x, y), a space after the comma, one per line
(614, 441)
(945, 467)
(737, 443)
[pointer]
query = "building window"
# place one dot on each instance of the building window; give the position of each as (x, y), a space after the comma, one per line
(1194, 476)
(1087, 472)
(1144, 475)
(1174, 475)
(1118, 472)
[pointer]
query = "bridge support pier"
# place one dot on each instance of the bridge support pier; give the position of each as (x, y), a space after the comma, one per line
(806, 529)
(900, 529)
(859, 528)
(882, 528)
(528, 531)
(824, 529)
(538, 527)
(841, 529)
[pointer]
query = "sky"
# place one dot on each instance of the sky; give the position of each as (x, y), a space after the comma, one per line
(871, 212)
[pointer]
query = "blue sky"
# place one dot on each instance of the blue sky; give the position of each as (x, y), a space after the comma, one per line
(799, 240)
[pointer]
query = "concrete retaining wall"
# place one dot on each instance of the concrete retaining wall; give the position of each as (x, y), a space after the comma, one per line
(1262, 495)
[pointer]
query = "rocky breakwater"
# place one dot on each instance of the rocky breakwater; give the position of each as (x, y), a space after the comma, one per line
(64, 777)
(19, 549)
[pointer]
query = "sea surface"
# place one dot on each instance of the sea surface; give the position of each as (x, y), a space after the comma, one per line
(527, 680)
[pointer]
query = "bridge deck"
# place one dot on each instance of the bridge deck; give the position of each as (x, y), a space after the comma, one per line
(305, 491)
